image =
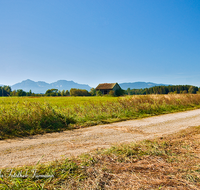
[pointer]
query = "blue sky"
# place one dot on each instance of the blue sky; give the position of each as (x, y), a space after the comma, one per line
(97, 41)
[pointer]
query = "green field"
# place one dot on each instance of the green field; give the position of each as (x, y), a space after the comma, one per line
(65, 101)
(26, 116)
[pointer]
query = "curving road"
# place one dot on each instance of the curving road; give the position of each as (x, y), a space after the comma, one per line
(54, 146)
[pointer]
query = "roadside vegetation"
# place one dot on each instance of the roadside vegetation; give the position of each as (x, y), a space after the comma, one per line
(21, 117)
(169, 162)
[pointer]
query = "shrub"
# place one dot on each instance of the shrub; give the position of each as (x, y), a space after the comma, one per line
(120, 92)
(79, 92)
(99, 93)
(111, 93)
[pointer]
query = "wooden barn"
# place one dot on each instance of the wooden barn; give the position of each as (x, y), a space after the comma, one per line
(105, 88)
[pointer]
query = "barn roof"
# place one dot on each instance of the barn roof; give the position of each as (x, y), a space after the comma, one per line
(107, 86)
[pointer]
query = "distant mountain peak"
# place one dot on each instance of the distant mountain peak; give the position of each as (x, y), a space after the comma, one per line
(139, 85)
(28, 80)
(42, 87)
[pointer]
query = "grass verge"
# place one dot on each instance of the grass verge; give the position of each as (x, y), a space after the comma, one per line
(170, 162)
(24, 118)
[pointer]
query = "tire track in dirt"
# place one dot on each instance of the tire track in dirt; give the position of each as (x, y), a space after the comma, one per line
(55, 146)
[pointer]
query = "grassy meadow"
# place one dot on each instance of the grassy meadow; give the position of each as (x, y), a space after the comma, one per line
(24, 116)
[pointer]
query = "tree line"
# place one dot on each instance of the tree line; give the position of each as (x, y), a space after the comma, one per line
(6, 91)
(175, 89)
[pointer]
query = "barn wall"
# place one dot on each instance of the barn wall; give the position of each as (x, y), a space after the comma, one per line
(103, 92)
(116, 87)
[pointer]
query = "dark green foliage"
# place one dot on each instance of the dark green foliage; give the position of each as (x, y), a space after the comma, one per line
(135, 91)
(120, 92)
(93, 91)
(176, 89)
(193, 89)
(99, 93)
(19, 92)
(58, 93)
(66, 93)
(52, 92)
(79, 92)
(62, 92)
(111, 93)
(29, 93)
(5, 90)
(179, 89)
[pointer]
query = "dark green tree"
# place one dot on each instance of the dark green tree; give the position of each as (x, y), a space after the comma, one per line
(120, 92)
(192, 90)
(5, 90)
(62, 92)
(67, 93)
(99, 93)
(93, 91)
(51, 92)
(20, 92)
(78, 92)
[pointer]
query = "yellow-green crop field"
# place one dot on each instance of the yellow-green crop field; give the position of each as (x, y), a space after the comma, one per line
(24, 116)
(65, 101)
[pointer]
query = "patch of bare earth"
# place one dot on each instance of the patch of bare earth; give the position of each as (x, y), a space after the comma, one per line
(54, 146)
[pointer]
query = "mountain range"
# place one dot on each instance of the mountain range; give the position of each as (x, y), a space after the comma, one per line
(139, 85)
(42, 87)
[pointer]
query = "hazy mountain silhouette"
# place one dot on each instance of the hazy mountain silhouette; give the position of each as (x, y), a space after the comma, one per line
(42, 87)
(139, 85)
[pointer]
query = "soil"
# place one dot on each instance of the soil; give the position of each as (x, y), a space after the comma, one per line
(55, 146)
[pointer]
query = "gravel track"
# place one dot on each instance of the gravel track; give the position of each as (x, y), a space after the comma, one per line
(55, 146)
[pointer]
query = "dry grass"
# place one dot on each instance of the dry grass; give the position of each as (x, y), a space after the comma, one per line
(170, 162)
(26, 117)
(127, 129)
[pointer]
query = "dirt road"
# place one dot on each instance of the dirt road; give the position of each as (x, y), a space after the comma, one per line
(48, 147)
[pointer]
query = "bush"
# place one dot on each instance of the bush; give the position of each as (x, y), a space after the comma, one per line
(99, 93)
(52, 92)
(119, 92)
(79, 92)
(111, 93)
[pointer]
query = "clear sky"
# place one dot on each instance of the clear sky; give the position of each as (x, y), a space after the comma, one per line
(97, 41)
